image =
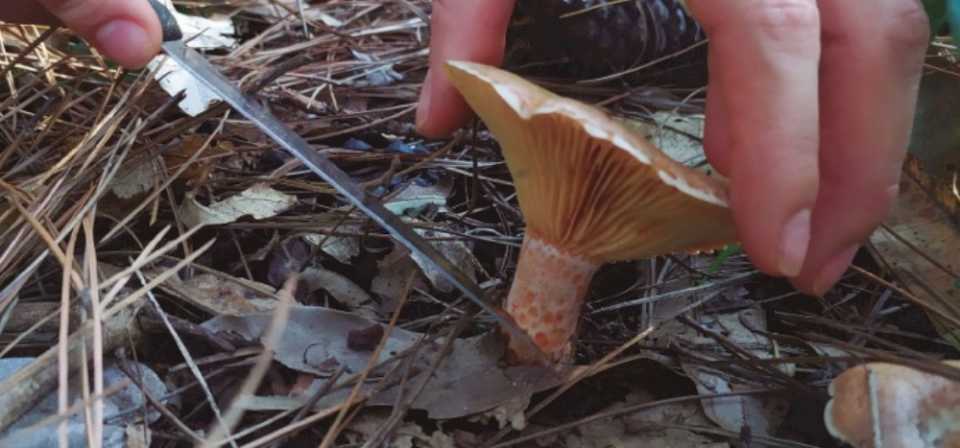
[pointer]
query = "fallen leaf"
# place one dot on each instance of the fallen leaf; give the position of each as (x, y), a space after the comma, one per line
(763, 415)
(369, 424)
(138, 180)
(341, 248)
(397, 274)
(679, 136)
(286, 259)
(414, 198)
(921, 244)
(138, 436)
(471, 380)
(199, 170)
(27, 432)
(315, 338)
(198, 32)
(512, 412)
(406, 435)
(341, 288)
(643, 428)
(221, 294)
(455, 251)
(935, 135)
(258, 202)
(380, 74)
(468, 382)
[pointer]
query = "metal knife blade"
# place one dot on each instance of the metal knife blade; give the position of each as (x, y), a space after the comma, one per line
(206, 73)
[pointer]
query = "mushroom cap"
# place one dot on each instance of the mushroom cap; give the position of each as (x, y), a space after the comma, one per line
(882, 405)
(588, 184)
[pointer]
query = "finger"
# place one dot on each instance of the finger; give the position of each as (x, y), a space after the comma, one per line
(26, 11)
(766, 59)
(870, 76)
(716, 138)
(465, 30)
(126, 31)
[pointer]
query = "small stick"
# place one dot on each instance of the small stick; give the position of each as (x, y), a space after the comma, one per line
(29, 385)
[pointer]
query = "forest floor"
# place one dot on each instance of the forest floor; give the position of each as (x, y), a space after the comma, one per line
(173, 260)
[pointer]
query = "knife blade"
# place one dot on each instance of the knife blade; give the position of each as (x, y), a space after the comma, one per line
(197, 65)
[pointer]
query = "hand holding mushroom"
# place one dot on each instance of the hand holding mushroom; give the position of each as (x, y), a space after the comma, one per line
(808, 113)
(592, 191)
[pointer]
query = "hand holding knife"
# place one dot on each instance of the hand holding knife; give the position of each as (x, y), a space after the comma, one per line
(202, 70)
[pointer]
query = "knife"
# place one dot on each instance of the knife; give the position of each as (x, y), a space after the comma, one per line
(207, 74)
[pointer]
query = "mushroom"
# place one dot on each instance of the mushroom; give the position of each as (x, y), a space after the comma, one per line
(592, 191)
(881, 405)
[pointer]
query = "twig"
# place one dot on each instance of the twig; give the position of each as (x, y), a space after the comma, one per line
(28, 385)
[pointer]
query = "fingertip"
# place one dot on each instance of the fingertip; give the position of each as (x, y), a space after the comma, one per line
(832, 271)
(127, 42)
(817, 281)
(773, 214)
(441, 109)
(776, 250)
(465, 30)
(423, 120)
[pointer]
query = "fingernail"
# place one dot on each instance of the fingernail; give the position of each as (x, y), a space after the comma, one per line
(424, 106)
(793, 243)
(124, 41)
(833, 270)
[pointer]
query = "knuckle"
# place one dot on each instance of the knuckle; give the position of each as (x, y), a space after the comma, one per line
(785, 20)
(871, 204)
(908, 26)
(69, 10)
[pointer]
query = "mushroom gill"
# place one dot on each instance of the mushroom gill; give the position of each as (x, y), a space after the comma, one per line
(591, 191)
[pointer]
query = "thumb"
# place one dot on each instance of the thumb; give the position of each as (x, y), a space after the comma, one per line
(126, 31)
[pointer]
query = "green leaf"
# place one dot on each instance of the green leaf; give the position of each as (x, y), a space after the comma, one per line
(724, 254)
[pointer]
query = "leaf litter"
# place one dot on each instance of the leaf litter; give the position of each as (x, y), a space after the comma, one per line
(318, 341)
(96, 162)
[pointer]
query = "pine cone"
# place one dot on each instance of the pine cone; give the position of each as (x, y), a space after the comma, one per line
(600, 37)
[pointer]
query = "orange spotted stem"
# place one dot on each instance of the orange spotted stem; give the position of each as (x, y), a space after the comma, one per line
(546, 298)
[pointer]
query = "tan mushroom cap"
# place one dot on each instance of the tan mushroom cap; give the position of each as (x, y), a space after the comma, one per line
(588, 184)
(881, 405)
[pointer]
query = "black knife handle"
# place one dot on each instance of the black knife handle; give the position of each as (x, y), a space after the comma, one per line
(168, 23)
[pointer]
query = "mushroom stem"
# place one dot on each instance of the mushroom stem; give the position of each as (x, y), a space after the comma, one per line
(548, 291)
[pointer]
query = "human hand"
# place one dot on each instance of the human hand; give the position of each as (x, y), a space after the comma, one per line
(809, 110)
(126, 31)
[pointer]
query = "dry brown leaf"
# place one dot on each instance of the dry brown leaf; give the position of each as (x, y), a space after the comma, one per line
(456, 252)
(197, 173)
(138, 436)
(341, 288)
(221, 294)
(762, 414)
(921, 243)
(137, 180)
(641, 429)
(258, 202)
(468, 382)
(398, 273)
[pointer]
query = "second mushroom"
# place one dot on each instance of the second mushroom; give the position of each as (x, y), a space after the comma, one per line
(592, 191)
